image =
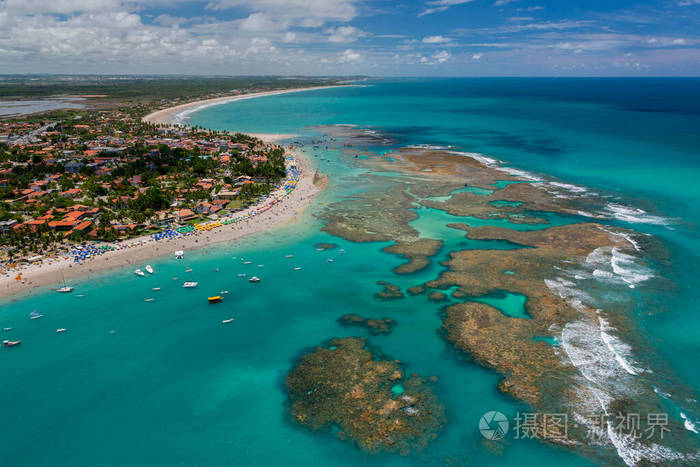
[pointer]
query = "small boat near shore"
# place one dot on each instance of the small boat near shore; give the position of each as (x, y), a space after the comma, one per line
(35, 315)
(149, 300)
(254, 279)
(246, 262)
(242, 274)
(288, 256)
(7, 329)
(61, 330)
(215, 299)
(65, 289)
(179, 254)
(149, 269)
(139, 272)
(226, 321)
(155, 289)
(297, 268)
(7, 343)
(223, 292)
(190, 285)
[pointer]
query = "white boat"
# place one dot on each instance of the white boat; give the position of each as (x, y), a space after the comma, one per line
(246, 262)
(226, 321)
(329, 260)
(241, 274)
(288, 256)
(297, 268)
(179, 254)
(223, 292)
(149, 269)
(155, 289)
(7, 329)
(139, 272)
(64, 288)
(59, 330)
(254, 279)
(149, 299)
(36, 316)
(190, 285)
(260, 265)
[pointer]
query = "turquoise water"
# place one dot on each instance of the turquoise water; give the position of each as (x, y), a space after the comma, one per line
(173, 386)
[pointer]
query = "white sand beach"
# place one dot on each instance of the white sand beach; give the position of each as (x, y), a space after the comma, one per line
(135, 252)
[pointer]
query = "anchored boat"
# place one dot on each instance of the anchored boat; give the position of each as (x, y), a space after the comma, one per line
(190, 285)
(215, 299)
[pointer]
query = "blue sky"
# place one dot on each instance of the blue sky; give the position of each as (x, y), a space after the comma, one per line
(332, 37)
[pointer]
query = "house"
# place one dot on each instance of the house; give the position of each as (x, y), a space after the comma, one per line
(73, 167)
(5, 226)
(184, 215)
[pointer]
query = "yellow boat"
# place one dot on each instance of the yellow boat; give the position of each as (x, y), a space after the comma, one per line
(215, 299)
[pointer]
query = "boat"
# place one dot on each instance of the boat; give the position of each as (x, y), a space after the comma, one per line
(149, 269)
(215, 299)
(7, 329)
(297, 268)
(7, 343)
(226, 321)
(288, 256)
(179, 254)
(64, 288)
(155, 289)
(60, 330)
(223, 292)
(190, 285)
(149, 299)
(139, 272)
(215, 270)
(246, 262)
(241, 274)
(35, 315)
(254, 279)
(188, 269)
(329, 260)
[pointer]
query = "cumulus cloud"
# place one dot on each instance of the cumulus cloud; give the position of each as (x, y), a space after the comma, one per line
(350, 56)
(440, 57)
(436, 40)
(344, 34)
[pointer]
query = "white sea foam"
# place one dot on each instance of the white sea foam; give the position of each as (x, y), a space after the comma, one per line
(610, 263)
(567, 290)
(429, 146)
(617, 347)
(624, 266)
(487, 161)
(634, 215)
(689, 424)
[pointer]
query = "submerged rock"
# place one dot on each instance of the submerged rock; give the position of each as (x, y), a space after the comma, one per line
(390, 291)
(358, 391)
(373, 325)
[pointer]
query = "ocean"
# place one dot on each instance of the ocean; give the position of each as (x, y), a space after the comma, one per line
(165, 383)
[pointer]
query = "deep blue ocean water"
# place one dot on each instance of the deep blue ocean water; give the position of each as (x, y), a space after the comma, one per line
(172, 386)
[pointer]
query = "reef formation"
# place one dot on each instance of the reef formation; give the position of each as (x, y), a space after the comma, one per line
(366, 396)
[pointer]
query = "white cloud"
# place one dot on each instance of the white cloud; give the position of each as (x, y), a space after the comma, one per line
(440, 57)
(503, 2)
(350, 56)
(477, 56)
(304, 13)
(436, 40)
(344, 34)
(437, 6)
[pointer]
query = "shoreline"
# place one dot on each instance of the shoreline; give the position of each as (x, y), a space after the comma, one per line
(165, 116)
(137, 251)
